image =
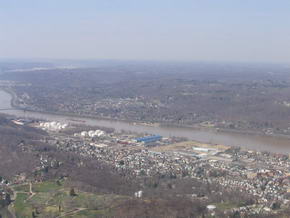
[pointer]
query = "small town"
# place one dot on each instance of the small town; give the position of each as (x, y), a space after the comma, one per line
(144, 109)
(262, 175)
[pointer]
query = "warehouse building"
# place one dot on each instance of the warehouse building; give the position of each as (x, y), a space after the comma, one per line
(148, 139)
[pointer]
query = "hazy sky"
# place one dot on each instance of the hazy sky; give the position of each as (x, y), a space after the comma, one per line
(235, 30)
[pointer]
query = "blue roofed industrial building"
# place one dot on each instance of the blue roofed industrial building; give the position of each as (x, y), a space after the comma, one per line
(148, 139)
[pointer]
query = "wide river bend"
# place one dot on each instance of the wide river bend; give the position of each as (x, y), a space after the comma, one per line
(248, 141)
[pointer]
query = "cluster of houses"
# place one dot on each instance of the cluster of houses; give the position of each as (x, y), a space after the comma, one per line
(259, 174)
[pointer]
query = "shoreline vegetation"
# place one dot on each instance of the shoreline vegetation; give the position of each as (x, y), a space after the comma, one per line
(144, 123)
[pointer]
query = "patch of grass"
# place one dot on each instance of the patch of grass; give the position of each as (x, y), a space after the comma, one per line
(48, 186)
(21, 188)
(40, 198)
(226, 205)
(57, 198)
(88, 200)
(91, 214)
(50, 195)
(51, 209)
(22, 209)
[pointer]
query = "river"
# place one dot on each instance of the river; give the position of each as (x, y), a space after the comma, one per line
(255, 142)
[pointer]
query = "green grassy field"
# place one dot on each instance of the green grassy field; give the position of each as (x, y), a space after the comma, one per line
(22, 209)
(21, 188)
(49, 186)
(52, 199)
(226, 205)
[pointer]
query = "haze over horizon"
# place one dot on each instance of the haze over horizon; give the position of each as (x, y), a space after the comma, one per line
(249, 31)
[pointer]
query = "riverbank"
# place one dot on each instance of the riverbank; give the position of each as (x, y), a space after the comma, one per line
(209, 135)
(144, 123)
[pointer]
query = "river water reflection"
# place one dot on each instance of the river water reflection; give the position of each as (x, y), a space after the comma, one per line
(256, 142)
